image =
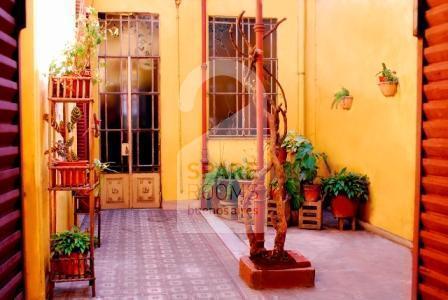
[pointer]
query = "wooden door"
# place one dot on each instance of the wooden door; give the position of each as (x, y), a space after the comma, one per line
(431, 234)
(11, 255)
(129, 110)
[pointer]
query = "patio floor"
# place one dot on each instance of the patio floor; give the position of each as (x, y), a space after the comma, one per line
(164, 254)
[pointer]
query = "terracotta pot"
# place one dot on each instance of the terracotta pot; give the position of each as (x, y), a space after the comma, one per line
(311, 192)
(388, 88)
(347, 102)
(382, 78)
(71, 87)
(72, 265)
(343, 207)
(281, 154)
(72, 177)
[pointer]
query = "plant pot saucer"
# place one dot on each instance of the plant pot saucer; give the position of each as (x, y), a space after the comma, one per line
(301, 275)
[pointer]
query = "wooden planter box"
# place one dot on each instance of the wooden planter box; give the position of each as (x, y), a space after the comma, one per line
(310, 215)
(70, 174)
(70, 88)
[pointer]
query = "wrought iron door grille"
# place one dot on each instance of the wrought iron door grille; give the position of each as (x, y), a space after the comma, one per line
(232, 110)
(134, 38)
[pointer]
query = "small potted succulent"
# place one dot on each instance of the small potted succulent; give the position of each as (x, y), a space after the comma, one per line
(345, 190)
(342, 98)
(69, 252)
(387, 81)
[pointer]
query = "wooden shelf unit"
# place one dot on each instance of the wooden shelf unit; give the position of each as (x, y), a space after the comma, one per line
(65, 93)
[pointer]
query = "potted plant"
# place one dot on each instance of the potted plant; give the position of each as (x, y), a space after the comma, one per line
(345, 190)
(69, 250)
(243, 175)
(69, 171)
(214, 187)
(343, 98)
(70, 78)
(388, 81)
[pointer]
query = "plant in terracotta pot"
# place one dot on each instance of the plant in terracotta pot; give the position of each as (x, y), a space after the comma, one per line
(69, 169)
(70, 77)
(388, 81)
(342, 98)
(214, 187)
(69, 249)
(345, 190)
(241, 179)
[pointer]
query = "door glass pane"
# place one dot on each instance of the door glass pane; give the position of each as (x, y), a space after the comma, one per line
(113, 111)
(145, 112)
(115, 75)
(146, 146)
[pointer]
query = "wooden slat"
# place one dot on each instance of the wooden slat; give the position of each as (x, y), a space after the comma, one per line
(430, 293)
(436, 71)
(434, 260)
(8, 45)
(437, 90)
(10, 243)
(434, 241)
(8, 267)
(437, 34)
(436, 53)
(436, 110)
(435, 148)
(434, 3)
(12, 290)
(437, 15)
(435, 279)
(7, 22)
(435, 203)
(435, 222)
(436, 129)
(437, 167)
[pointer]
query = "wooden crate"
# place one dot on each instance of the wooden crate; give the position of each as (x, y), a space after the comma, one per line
(310, 215)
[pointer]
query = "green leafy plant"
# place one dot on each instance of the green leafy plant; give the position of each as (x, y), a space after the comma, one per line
(353, 185)
(77, 55)
(101, 167)
(339, 96)
(68, 242)
(292, 184)
(387, 74)
(213, 177)
(293, 141)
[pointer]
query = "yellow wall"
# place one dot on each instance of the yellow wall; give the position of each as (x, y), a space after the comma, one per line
(186, 162)
(346, 43)
(40, 42)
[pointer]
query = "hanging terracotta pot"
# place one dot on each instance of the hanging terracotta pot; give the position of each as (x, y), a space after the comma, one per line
(388, 88)
(311, 192)
(346, 102)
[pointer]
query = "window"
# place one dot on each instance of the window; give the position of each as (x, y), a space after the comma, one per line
(232, 110)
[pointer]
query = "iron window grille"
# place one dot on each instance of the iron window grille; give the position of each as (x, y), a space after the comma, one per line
(232, 111)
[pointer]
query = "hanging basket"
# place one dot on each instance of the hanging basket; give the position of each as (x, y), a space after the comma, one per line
(388, 88)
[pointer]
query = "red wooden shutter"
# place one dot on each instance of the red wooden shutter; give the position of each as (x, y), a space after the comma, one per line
(11, 256)
(431, 247)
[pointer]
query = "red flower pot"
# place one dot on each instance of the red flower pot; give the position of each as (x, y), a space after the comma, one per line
(71, 265)
(72, 173)
(311, 192)
(343, 207)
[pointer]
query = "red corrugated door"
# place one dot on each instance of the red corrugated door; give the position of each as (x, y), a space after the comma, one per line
(11, 268)
(431, 253)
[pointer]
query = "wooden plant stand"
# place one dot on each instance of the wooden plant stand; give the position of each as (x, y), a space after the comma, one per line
(64, 93)
(82, 208)
(310, 215)
(341, 223)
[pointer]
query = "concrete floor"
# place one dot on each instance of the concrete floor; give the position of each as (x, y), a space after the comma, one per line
(159, 254)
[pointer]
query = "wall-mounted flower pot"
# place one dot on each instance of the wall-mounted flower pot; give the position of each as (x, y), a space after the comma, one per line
(71, 174)
(388, 88)
(346, 102)
(343, 207)
(311, 192)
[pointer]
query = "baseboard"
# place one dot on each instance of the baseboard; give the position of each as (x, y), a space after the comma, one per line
(386, 234)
